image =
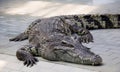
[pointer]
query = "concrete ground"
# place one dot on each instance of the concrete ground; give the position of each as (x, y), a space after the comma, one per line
(16, 15)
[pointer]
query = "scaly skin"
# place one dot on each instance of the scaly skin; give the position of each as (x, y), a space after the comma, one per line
(60, 38)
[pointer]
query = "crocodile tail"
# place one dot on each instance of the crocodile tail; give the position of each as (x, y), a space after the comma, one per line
(20, 37)
(96, 21)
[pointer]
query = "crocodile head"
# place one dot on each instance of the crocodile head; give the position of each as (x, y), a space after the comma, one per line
(85, 56)
(77, 53)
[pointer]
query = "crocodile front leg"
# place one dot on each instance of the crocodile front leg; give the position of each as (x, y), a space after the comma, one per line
(84, 35)
(26, 54)
(20, 37)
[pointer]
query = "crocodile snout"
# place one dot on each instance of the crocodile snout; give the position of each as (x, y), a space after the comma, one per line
(93, 60)
(96, 60)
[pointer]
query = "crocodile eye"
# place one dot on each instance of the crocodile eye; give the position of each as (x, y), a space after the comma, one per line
(65, 43)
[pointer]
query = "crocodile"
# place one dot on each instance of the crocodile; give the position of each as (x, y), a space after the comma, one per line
(61, 38)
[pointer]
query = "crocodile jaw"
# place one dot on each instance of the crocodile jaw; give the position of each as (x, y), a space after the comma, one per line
(94, 60)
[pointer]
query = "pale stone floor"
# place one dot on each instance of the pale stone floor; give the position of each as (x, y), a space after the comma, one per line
(16, 15)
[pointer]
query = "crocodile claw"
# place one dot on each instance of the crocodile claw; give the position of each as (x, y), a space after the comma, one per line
(86, 38)
(30, 61)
